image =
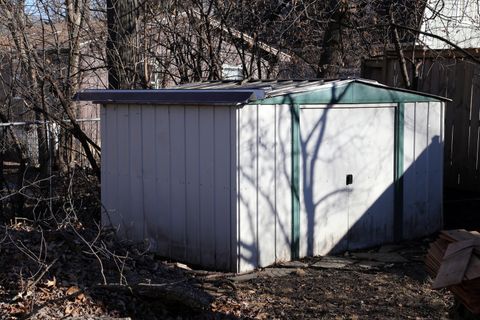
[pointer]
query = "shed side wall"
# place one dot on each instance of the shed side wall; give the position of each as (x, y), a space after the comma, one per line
(423, 163)
(264, 195)
(168, 179)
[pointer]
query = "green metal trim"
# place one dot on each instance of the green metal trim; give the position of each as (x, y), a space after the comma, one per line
(398, 171)
(295, 184)
(350, 93)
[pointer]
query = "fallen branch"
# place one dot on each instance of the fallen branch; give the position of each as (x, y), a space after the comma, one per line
(169, 293)
(34, 283)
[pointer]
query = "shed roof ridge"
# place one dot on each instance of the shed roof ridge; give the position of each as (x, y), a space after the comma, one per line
(260, 91)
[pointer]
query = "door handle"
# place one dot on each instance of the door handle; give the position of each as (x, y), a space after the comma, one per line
(349, 179)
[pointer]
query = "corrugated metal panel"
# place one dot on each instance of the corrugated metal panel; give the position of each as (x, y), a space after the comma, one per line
(420, 169)
(152, 188)
(371, 197)
(222, 185)
(207, 186)
(132, 220)
(172, 187)
(266, 207)
(234, 187)
(135, 173)
(158, 220)
(337, 142)
(177, 170)
(409, 176)
(423, 177)
(247, 193)
(192, 190)
(104, 133)
(435, 168)
(283, 198)
(149, 170)
(264, 197)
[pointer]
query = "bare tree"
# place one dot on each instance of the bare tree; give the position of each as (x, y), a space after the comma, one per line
(122, 44)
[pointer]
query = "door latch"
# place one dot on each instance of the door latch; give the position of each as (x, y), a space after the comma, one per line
(349, 179)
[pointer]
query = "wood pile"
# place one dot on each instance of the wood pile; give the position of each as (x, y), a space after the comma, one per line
(453, 260)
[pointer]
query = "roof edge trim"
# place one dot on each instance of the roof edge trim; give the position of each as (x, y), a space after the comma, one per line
(230, 97)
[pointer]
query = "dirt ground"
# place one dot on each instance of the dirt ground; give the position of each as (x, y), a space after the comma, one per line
(74, 273)
(362, 289)
(73, 270)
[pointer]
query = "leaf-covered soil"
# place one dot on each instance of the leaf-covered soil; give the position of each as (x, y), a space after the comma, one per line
(74, 272)
(361, 290)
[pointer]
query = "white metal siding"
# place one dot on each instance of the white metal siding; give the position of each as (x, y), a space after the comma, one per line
(264, 198)
(168, 179)
(212, 185)
(423, 165)
(283, 181)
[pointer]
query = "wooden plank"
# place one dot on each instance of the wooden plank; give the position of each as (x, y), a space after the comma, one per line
(436, 78)
(462, 98)
(207, 165)
(473, 269)
(450, 171)
(459, 235)
(468, 182)
(474, 164)
(178, 171)
(193, 169)
(455, 247)
(161, 230)
(453, 269)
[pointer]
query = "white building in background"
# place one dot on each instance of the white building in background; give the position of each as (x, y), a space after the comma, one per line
(455, 20)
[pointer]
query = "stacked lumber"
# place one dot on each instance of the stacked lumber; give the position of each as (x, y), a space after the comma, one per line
(453, 260)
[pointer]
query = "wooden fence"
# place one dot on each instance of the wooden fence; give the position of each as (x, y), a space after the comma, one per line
(444, 73)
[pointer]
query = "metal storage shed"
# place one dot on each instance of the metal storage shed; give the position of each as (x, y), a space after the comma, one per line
(234, 176)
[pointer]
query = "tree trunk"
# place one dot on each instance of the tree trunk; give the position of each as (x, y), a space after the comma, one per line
(332, 57)
(122, 19)
(398, 48)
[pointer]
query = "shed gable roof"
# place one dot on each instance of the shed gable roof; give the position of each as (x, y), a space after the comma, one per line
(266, 92)
(357, 91)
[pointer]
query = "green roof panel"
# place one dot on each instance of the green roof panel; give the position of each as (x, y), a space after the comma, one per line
(350, 92)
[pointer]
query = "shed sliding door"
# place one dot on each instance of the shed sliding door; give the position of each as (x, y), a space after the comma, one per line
(340, 144)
